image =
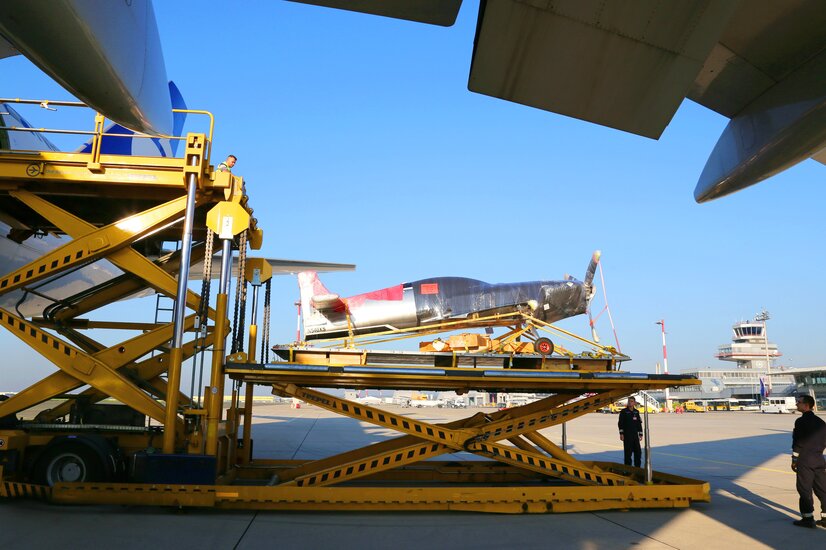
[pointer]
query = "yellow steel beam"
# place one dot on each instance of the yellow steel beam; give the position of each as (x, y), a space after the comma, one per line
(94, 245)
(520, 422)
(147, 371)
(451, 437)
(549, 447)
(77, 365)
(83, 341)
(542, 464)
(518, 499)
(128, 259)
(404, 445)
(83, 169)
(85, 324)
(376, 462)
(127, 285)
(115, 357)
(451, 379)
(472, 437)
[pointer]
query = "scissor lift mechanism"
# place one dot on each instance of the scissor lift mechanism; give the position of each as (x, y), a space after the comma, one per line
(522, 470)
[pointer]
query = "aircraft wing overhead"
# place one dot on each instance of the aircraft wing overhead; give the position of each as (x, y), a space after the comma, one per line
(763, 44)
(626, 65)
(6, 49)
(768, 74)
(107, 54)
(434, 12)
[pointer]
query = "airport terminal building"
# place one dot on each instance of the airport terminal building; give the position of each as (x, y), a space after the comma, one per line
(811, 381)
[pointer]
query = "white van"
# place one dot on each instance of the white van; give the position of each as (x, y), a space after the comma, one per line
(779, 405)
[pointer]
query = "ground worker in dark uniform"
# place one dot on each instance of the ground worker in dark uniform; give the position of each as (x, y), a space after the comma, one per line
(630, 431)
(808, 442)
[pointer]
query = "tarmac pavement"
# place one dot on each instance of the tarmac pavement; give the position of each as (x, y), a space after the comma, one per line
(745, 456)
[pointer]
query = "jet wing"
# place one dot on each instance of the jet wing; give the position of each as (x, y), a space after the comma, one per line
(766, 74)
(279, 267)
(628, 64)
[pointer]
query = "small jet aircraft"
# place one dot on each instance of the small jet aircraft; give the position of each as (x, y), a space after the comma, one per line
(439, 299)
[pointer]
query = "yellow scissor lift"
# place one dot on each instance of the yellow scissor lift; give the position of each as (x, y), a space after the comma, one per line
(120, 209)
(189, 453)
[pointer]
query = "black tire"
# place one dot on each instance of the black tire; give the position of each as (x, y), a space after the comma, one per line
(69, 461)
(543, 346)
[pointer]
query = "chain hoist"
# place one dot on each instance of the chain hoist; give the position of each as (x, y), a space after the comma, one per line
(239, 316)
(265, 335)
(202, 321)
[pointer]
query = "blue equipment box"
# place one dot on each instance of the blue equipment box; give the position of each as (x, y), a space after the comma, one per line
(173, 469)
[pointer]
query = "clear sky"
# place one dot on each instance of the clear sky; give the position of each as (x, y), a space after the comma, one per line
(360, 143)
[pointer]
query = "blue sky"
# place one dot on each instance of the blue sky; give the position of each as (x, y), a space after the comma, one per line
(360, 143)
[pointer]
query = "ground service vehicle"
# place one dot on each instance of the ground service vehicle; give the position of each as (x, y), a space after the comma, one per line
(779, 405)
(695, 406)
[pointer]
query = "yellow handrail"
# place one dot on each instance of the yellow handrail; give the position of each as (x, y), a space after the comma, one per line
(99, 134)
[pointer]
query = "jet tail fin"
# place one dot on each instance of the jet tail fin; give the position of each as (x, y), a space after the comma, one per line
(315, 296)
(121, 140)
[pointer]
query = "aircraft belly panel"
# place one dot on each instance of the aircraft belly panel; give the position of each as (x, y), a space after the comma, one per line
(14, 255)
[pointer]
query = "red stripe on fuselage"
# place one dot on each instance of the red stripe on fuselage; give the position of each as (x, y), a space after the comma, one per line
(394, 293)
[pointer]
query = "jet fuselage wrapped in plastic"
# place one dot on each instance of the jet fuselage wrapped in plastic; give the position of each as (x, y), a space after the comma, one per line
(431, 301)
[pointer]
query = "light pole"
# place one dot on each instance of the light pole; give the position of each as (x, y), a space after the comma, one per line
(764, 316)
(661, 322)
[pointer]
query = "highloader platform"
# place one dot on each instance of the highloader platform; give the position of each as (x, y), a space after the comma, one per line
(159, 445)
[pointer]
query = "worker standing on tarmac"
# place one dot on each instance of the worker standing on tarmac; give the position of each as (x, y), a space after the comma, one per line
(630, 432)
(808, 442)
(227, 165)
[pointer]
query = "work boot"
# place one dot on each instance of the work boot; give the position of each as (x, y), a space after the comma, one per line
(822, 521)
(806, 522)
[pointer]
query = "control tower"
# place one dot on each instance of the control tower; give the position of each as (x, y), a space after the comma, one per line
(749, 347)
(753, 353)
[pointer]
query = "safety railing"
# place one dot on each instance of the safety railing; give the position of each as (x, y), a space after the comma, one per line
(100, 121)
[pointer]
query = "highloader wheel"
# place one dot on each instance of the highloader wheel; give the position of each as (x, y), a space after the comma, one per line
(543, 346)
(81, 459)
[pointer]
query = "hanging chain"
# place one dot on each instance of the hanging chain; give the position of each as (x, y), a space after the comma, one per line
(265, 336)
(203, 309)
(240, 296)
(202, 319)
